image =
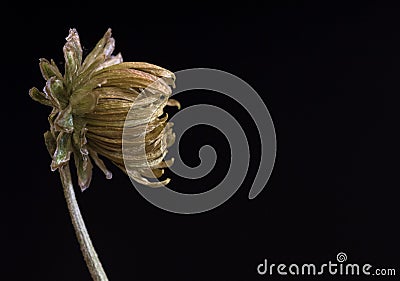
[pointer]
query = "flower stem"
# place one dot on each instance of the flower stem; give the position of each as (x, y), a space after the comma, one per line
(92, 261)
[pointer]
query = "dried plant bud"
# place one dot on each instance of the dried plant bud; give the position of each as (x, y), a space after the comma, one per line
(90, 104)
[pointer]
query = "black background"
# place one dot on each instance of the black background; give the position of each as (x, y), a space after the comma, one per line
(329, 77)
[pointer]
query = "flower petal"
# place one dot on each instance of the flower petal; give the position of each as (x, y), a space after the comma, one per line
(133, 78)
(172, 102)
(153, 69)
(165, 164)
(140, 179)
(151, 173)
(99, 163)
(112, 60)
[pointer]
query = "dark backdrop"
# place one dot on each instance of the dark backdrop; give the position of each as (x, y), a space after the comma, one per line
(328, 75)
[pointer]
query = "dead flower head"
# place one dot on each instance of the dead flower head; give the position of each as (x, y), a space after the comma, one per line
(90, 103)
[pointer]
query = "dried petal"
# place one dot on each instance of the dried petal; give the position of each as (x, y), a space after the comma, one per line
(133, 78)
(151, 173)
(140, 179)
(170, 138)
(155, 70)
(112, 60)
(165, 164)
(172, 102)
(100, 163)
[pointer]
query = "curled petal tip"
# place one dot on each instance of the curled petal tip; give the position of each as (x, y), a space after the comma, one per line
(172, 102)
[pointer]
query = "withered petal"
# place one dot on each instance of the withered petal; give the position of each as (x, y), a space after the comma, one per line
(140, 179)
(100, 163)
(165, 164)
(151, 173)
(133, 78)
(172, 102)
(112, 60)
(153, 69)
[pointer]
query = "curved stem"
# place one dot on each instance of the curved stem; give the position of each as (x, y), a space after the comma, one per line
(92, 261)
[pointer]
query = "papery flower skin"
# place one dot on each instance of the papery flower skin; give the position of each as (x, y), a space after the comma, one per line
(90, 103)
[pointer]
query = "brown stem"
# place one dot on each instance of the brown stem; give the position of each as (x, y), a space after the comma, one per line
(92, 261)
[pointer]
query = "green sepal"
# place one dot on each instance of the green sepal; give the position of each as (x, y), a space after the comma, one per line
(49, 69)
(79, 141)
(49, 93)
(50, 142)
(63, 151)
(64, 121)
(72, 55)
(39, 96)
(83, 102)
(58, 91)
(52, 117)
(84, 169)
(103, 49)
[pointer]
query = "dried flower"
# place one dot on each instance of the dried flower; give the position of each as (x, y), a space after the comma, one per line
(90, 104)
